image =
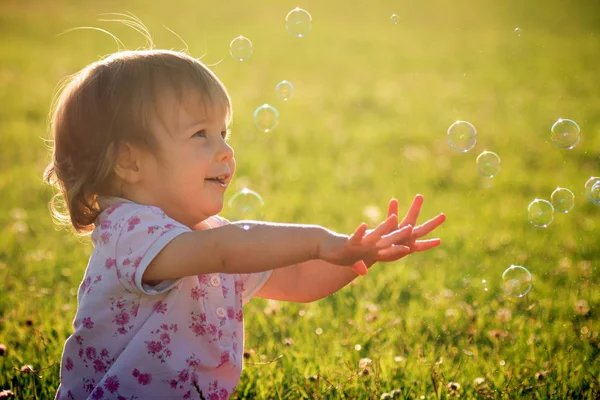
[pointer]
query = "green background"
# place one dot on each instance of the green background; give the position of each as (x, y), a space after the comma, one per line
(367, 122)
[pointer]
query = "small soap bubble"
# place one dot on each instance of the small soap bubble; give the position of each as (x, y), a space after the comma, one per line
(240, 48)
(565, 133)
(246, 206)
(395, 19)
(462, 136)
(488, 164)
(541, 213)
(518, 31)
(517, 281)
(266, 117)
(562, 200)
(298, 22)
(592, 190)
(284, 90)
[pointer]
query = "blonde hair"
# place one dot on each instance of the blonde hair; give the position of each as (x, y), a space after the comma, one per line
(110, 102)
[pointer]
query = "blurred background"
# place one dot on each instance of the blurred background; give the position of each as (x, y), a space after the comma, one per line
(373, 99)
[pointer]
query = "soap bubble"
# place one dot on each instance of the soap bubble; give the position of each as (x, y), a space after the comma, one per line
(266, 118)
(565, 133)
(240, 48)
(541, 213)
(246, 206)
(562, 200)
(462, 136)
(488, 164)
(517, 281)
(284, 90)
(592, 190)
(298, 22)
(518, 31)
(395, 19)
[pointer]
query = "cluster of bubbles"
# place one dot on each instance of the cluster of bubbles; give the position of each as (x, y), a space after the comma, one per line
(541, 212)
(298, 22)
(462, 137)
(247, 205)
(565, 134)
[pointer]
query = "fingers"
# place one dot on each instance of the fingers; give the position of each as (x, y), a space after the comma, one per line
(427, 227)
(413, 212)
(388, 225)
(393, 207)
(359, 233)
(393, 253)
(395, 237)
(423, 245)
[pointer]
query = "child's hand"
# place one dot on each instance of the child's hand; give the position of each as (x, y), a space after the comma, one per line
(379, 243)
(410, 219)
(421, 230)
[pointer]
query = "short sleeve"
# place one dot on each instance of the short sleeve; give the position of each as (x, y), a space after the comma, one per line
(252, 283)
(143, 234)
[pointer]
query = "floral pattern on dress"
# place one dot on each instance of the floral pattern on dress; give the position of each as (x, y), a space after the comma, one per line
(216, 392)
(198, 292)
(143, 378)
(159, 347)
(123, 315)
(130, 268)
(130, 343)
(201, 327)
(99, 360)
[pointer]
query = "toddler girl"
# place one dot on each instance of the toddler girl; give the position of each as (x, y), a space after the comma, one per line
(142, 162)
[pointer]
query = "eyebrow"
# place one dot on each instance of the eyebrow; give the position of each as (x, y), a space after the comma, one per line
(195, 123)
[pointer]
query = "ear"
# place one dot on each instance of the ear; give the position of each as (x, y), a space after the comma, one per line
(128, 163)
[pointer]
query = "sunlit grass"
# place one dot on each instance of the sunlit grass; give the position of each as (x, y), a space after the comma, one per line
(367, 122)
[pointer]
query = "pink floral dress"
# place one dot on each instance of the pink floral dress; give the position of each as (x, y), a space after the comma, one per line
(178, 339)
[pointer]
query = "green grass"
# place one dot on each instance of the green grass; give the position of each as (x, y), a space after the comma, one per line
(367, 122)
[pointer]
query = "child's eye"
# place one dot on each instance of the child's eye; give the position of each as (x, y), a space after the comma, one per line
(199, 134)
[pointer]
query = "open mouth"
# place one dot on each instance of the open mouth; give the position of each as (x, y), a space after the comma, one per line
(220, 179)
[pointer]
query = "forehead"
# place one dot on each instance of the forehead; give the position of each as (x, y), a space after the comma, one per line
(178, 112)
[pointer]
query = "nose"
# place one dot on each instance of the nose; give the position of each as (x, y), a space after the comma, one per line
(225, 152)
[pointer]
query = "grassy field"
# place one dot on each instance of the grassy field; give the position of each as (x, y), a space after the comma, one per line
(367, 122)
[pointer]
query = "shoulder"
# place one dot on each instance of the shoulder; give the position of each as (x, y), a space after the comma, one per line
(115, 209)
(120, 216)
(220, 221)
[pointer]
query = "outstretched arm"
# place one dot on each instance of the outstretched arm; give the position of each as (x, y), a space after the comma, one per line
(268, 246)
(315, 279)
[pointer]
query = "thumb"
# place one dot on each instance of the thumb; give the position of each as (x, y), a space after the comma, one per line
(360, 268)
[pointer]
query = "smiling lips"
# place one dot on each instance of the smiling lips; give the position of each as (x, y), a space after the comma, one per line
(221, 180)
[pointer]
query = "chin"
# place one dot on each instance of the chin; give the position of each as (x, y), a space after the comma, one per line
(216, 209)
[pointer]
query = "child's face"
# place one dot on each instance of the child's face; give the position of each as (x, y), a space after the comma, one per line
(195, 164)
